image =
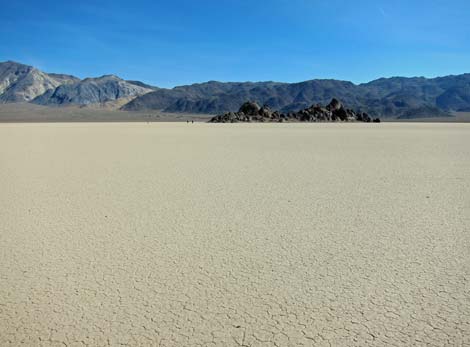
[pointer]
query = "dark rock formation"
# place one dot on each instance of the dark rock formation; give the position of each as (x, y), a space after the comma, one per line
(334, 105)
(333, 112)
(249, 108)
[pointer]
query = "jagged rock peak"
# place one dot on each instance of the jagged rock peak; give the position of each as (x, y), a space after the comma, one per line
(334, 105)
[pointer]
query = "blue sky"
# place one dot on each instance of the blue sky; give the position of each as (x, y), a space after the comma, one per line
(168, 43)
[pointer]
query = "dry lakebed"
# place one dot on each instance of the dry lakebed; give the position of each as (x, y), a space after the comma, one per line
(175, 234)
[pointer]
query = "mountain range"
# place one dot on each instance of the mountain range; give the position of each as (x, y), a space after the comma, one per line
(91, 91)
(20, 82)
(398, 97)
(23, 83)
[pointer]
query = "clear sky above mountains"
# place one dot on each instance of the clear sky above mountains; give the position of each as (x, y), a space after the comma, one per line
(169, 43)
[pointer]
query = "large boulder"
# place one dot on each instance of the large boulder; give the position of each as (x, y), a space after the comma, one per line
(340, 113)
(250, 108)
(334, 105)
(265, 111)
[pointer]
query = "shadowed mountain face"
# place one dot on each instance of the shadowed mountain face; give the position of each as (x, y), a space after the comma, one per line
(393, 97)
(20, 83)
(91, 91)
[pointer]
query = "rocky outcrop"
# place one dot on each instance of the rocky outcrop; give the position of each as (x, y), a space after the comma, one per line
(250, 108)
(334, 105)
(333, 112)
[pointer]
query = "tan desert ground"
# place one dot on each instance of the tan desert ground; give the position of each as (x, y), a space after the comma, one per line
(169, 234)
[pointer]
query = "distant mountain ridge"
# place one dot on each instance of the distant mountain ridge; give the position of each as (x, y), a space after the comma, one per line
(398, 97)
(91, 91)
(19, 82)
(390, 97)
(23, 83)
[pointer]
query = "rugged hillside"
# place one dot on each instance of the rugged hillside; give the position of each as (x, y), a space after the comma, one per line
(91, 91)
(407, 96)
(19, 83)
(63, 78)
(23, 83)
(209, 97)
(397, 96)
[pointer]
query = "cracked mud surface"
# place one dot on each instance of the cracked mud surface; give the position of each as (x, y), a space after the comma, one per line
(234, 235)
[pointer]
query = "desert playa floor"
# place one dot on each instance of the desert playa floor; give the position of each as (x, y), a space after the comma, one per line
(169, 234)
